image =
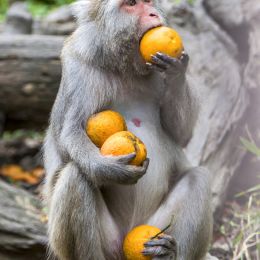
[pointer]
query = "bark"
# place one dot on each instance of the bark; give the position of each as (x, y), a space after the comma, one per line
(217, 72)
(235, 105)
(248, 173)
(29, 76)
(22, 231)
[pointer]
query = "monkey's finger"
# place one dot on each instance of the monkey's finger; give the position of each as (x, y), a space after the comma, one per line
(140, 169)
(158, 242)
(146, 164)
(125, 158)
(170, 60)
(167, 237)
(155, 67)
(159, 62)
(163, 257)
(184, 58)
(156, 251)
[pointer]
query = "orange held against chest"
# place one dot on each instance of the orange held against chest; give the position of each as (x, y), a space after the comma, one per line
(104, 124)
(107, 130)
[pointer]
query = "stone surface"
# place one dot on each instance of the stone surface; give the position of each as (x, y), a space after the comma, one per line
(60, 15)
(223, 96)
(18, 19)
(22, 231)
(58, 22)
(227, 13)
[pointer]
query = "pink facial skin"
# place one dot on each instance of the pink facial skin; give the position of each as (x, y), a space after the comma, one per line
(148, 16)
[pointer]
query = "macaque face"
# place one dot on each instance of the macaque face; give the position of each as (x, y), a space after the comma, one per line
(144, 12)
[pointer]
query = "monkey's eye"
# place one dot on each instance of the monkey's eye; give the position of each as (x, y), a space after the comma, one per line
(131, 2)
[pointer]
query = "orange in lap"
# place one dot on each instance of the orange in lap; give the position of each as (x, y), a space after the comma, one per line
(134, 241)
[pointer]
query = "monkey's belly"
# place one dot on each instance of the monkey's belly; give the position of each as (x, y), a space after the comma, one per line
(133, 205)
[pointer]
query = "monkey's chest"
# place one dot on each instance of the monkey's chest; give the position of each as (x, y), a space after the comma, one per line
(141, 200)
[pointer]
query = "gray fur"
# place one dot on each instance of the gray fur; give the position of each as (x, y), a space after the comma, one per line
(94, 200)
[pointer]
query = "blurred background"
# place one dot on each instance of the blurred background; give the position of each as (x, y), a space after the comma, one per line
(223, 41)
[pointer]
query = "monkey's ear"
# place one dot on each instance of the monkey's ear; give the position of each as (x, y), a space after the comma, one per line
(82, 10)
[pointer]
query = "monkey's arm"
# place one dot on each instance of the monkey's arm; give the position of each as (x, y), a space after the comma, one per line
(77, 100)
(179, 111)
(179, 105)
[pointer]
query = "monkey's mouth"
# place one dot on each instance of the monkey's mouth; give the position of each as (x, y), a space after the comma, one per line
(150, 28)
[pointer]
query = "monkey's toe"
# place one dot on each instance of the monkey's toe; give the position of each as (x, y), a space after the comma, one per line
(163, 247)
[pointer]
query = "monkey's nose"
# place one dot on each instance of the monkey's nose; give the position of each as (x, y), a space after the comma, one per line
(153, 15)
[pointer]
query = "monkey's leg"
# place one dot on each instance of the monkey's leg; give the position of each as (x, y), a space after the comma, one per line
(52, 165)
(76, 218)
(188, 203)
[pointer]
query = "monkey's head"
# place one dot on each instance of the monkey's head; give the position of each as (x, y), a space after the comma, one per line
(110, 31)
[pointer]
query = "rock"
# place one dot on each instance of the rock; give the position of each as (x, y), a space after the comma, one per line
(230, 17)
(210, 257)
(18, 20)
(58, 22)
(2, 122)
(56, 28)
(60, 15)
(221, 250)
(1, 27)
(22, 225)
(227, 13)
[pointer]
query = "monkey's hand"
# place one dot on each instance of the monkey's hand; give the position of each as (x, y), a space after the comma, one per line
(164, 247)
(172, 67)
(116, 169)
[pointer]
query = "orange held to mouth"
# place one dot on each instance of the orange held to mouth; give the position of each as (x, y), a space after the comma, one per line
(161, 39)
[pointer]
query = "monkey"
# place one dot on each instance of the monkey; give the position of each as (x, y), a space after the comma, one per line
(95, 200)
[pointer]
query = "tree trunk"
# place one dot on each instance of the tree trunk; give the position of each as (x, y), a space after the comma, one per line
(217, 71)
(22, 231)
(29, 76)
(246, 175)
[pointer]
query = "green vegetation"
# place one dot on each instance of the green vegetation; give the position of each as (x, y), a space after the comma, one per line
(38, 8)
(21, 134)
(3, 9)
(191, 2)
(246, 242)
(240, 223)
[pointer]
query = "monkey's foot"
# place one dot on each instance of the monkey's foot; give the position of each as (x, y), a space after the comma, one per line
(164, 247)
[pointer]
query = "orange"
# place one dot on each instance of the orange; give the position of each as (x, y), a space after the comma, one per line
(161, 39)
(134, 242)
(123, 143)
(104, 124)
